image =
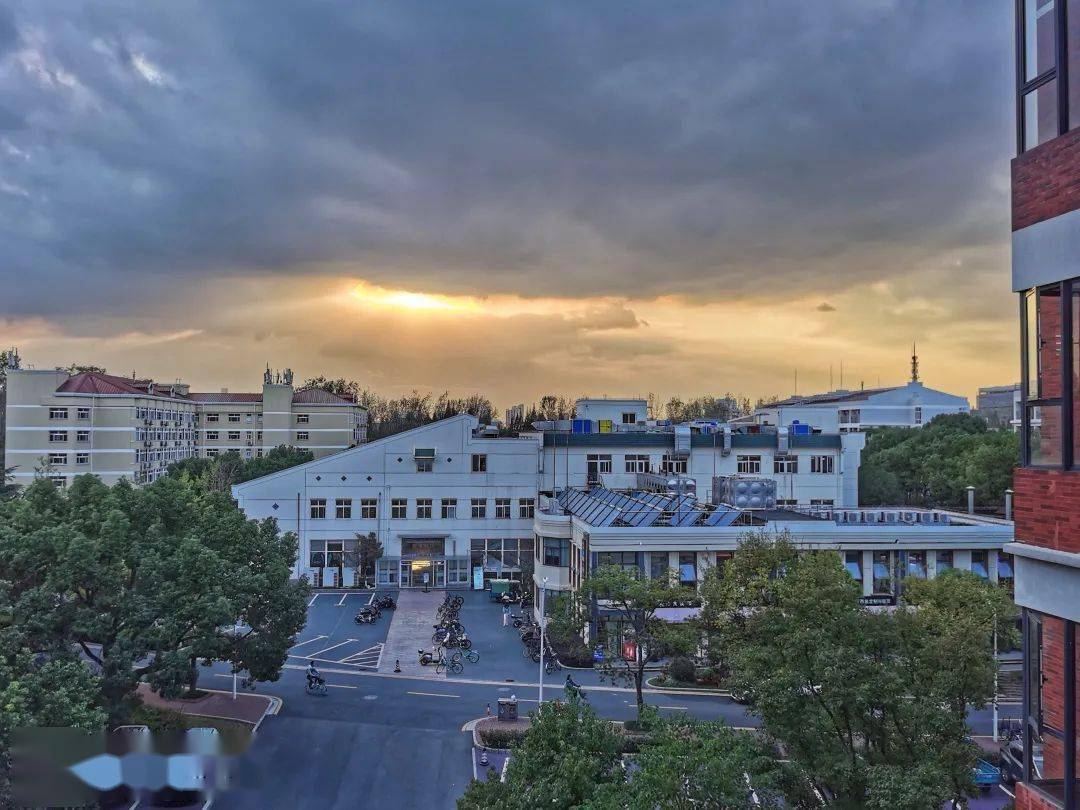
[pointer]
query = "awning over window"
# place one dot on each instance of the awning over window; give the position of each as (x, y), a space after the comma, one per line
(424, 453)
(881, 571)
(980, 569)
(1005, 569)
(854, 569)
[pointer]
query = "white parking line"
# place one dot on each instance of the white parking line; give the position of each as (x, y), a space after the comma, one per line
(371, 598)
(334, 647)
(370, 651)
(341, 601)
(341, 686)
(433, 694)
(302, 643)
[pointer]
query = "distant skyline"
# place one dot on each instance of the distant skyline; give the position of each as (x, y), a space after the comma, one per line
(511, 199)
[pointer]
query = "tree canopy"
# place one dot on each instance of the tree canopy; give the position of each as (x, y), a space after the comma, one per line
(218, 474)
(932, 465)
(571, 758)
(629, 602)
(870, 706)
(146, 582)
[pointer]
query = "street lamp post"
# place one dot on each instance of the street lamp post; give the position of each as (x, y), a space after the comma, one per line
(543, 623)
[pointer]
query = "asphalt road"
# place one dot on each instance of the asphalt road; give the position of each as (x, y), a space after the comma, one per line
(392, 740)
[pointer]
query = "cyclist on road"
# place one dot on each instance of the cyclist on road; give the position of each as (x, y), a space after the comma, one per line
(313, 677)
(572, 687)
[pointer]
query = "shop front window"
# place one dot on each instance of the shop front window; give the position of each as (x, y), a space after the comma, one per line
(978, 564)
(944, 561)
(853, 564)
(883, 572)
(1005, 571)
(916, 564)
(687, 568)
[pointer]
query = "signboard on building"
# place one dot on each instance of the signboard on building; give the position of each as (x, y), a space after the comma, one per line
(877, 600)
(478, 577)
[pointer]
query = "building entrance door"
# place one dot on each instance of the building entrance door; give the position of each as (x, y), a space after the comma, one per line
(422, 573)
(405, 577)
(440, 573)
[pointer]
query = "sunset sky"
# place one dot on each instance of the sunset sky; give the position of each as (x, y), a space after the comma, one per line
(510, 198)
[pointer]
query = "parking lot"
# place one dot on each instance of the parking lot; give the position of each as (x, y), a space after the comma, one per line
(332, 637)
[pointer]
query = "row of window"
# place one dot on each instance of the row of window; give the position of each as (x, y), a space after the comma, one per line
(230, 417)
(601, 463)
(424, 508)
(62, 413)
(890, 568)
(300, 418)
(62, 458)
(163, 454)
(163, 435)
(158, 414)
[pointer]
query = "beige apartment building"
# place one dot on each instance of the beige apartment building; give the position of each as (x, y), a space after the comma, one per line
(62, 425)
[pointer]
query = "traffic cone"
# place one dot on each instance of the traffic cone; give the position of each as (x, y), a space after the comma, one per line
(397, 665)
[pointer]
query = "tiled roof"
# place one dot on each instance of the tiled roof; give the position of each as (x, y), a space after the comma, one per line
(95, 382)
(317, 396)
(226, 397)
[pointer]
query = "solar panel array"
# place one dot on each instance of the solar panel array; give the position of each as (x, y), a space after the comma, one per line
(602, 507)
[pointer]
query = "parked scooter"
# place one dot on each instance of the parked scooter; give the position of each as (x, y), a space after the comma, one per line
(385, 602)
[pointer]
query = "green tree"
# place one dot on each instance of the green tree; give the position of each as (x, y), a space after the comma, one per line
(7, 481)
(687, 764)
(41, 690)
(146, 582)
(630, 602)
(274, 460)
(732, 594)
(368, 550)
(934, 464)
(870, 706)
(568, 757)
(220, 473)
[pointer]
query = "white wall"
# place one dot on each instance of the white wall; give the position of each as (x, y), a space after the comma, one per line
(385, 470)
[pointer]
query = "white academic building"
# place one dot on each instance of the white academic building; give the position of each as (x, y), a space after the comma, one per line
(453, 503)
(658, 533)
(908, 405)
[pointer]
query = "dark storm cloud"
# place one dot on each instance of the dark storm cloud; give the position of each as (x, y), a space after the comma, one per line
(702, 148)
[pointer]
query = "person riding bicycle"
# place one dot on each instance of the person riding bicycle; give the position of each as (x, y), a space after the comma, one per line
(572, 687)
(314, 679)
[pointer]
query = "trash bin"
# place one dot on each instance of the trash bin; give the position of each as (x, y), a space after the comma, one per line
(507, 709)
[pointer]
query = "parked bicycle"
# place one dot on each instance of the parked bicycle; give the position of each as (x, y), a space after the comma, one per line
(451, 666)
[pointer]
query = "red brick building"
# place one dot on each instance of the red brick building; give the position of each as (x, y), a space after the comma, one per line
(1046, 273)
